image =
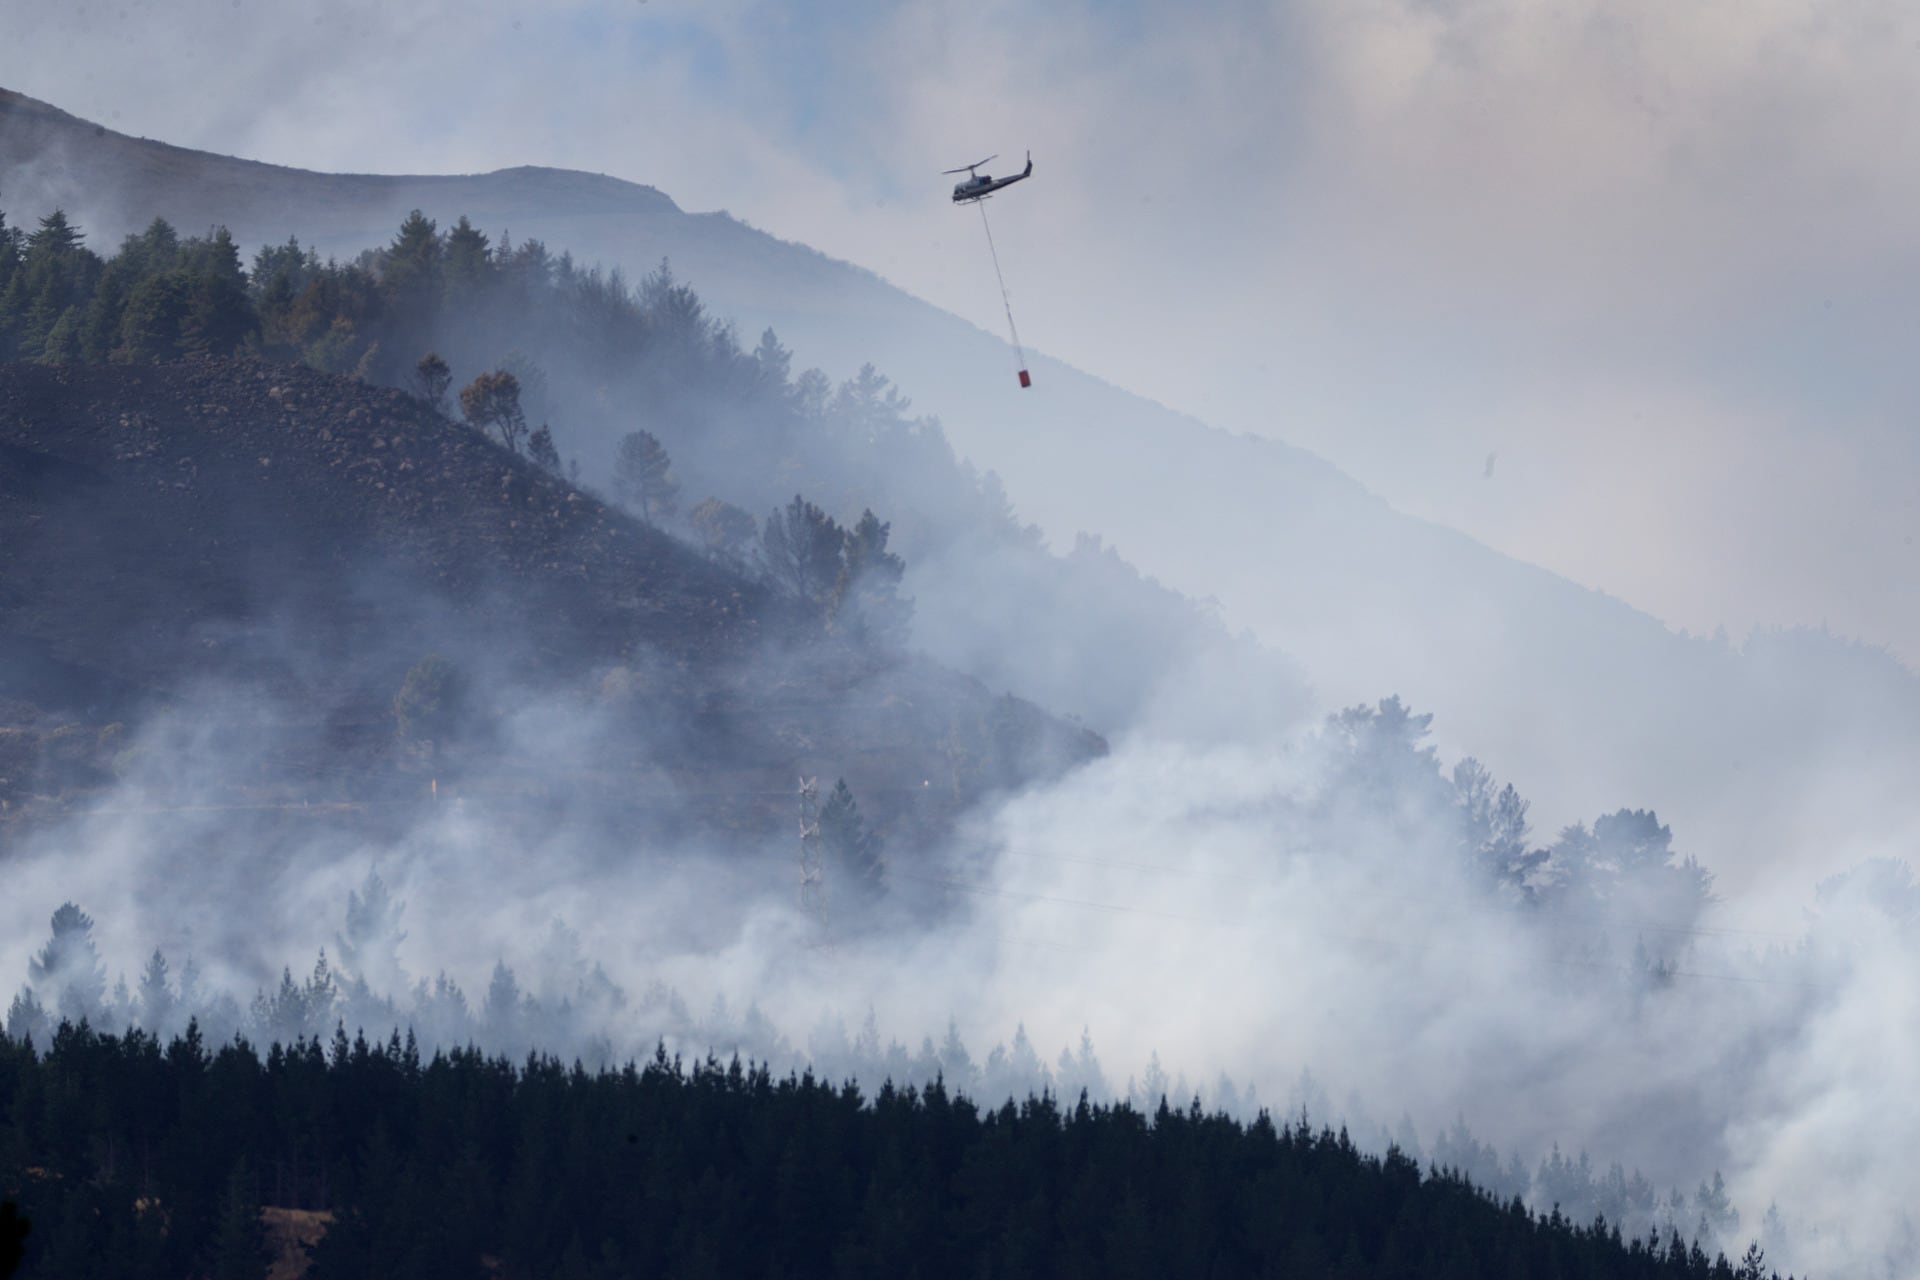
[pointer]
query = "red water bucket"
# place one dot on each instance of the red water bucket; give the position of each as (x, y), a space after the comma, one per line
(1025, 381)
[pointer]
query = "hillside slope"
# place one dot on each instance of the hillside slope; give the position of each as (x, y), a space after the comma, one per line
(219, 495)
(309, 539)
(1287, 543)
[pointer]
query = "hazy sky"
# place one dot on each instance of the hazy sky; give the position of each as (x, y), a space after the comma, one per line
(1622, 287)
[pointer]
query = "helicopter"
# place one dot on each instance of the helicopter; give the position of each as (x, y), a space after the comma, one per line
(979, 186)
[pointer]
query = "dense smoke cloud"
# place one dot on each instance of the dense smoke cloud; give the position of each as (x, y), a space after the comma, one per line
(1252, 923)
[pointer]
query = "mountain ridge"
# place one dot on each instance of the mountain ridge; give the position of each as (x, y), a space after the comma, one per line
(40, 126)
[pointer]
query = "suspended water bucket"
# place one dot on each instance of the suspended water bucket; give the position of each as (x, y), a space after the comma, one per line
(1025, 380)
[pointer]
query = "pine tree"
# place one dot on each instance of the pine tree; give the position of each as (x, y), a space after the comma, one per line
(281, 274)
(27, 1019)
(643, 474)
(1717, 1216)
(540, 448)
(220, 314)
(57, 274)
(675, 318)
(64, 343)
(866, 599)
(285, 269)
(869, 404)
(1633, 840)
(800, 547)
(56, 236)
(107, 308)
(369, 945)
(468, 261)
(855, 868)
(154, 317)
(772, 362)
(414, 257)
(319, 997)
(501, 1015)
(239, 1249)
(157, 1000)
(811, 396)
(68, 968)
(956, 1064)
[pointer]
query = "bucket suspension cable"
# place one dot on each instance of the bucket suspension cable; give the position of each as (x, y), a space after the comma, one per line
(1005, 301)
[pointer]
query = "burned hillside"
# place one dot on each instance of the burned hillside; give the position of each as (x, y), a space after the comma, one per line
(313, 541)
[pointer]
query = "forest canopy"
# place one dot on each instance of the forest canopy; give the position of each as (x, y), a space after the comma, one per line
(151, 1159)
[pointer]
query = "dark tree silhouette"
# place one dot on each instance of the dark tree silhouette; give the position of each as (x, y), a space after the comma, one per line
(466, 261)
(432, 377)
(239, 1249)
(491, 402)
(67, 973)
(866, 599)
(141, 1159)
(412, 263)
(370, 943)
(157, 998)
(540, 448)
(800, 547)
(13, 1237)
(772, 362)
(855, 867)
(643, 474)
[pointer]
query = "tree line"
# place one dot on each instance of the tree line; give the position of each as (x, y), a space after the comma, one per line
(161, 296)
(562, 1003)
(1595, 887)
(134, 1157)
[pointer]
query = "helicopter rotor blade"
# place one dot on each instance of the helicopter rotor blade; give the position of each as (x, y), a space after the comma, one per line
(969, 168)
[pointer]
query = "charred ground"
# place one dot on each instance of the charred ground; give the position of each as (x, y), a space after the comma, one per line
(311, 539)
